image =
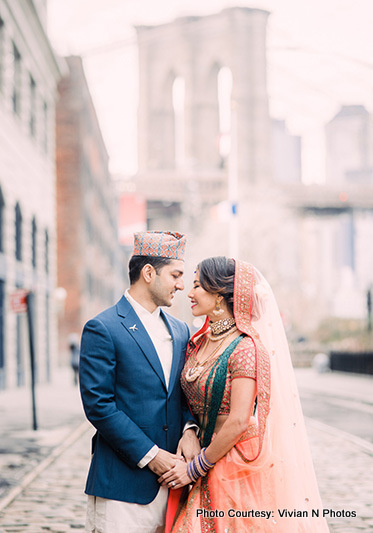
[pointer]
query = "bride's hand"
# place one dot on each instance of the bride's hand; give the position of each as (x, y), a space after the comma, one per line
(177, 477)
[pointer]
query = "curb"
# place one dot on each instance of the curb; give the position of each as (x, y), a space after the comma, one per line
(353, 400)
(57, 452)
(309, 383)
(364, 445)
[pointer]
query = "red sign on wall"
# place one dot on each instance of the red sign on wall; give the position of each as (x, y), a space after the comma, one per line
(18, 301)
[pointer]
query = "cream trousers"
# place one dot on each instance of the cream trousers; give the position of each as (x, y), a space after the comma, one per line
(111, 516)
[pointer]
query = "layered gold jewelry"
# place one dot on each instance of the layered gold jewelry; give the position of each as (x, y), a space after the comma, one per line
(222, 336)
(193, 373)
(221, 326)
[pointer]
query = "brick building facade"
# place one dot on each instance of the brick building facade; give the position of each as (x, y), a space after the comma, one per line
(89, 265)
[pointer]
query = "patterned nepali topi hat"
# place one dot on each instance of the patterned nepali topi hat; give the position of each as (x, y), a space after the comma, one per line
(160, 244)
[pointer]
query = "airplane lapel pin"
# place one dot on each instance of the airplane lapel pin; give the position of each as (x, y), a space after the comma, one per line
(134, 327)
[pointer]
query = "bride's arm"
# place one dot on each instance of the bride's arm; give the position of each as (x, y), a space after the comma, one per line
(243, 394)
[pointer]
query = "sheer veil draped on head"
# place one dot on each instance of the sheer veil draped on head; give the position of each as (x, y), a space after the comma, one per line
(284, 464)
(272, 469)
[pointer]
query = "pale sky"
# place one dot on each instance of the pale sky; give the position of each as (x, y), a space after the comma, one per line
(320, 56)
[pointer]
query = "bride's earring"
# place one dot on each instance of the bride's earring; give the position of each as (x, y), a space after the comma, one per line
(218, 311)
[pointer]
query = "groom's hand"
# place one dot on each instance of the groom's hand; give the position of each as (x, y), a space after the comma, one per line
(189, 445)
(163, 462)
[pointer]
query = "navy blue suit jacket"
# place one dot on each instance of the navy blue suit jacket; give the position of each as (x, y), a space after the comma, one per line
(125, 397)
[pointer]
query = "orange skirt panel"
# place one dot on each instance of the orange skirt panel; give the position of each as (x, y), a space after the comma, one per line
(241, 497)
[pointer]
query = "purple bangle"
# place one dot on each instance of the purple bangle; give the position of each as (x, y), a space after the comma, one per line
(199, 467)
(190, 472)
(202, 465)
(195, 471)
(207, 463)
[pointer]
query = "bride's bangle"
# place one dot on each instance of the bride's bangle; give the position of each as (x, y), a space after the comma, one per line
(206, 462)
(191, 473)
(199, 466)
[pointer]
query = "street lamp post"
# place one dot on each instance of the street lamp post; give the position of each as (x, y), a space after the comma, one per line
(233, 186)
(369, 309)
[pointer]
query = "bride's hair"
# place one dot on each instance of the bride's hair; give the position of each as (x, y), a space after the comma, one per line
(216, 275)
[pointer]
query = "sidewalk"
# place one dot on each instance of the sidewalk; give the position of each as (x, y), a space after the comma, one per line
(59, 412)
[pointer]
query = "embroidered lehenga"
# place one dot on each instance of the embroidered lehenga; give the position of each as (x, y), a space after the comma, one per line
(266, 482)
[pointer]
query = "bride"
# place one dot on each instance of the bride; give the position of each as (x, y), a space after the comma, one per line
(254, 472)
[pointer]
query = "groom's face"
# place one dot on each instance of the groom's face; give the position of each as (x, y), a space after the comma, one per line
(166, 282)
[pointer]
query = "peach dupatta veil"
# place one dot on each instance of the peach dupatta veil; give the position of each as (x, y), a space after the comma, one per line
(271, 469)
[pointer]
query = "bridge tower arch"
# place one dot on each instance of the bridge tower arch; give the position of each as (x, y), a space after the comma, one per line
(195, 49)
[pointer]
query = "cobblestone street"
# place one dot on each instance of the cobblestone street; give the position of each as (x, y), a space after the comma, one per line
(345, 476)
(59, 412)
(55, 501)
(46, 491)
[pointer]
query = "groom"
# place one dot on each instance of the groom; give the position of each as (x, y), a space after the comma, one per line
(130, 363)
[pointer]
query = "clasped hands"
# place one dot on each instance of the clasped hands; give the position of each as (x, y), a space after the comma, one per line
(173, 468)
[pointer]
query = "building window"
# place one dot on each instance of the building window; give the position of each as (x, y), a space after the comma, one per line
(16, 95)
(46, 251)
(18, 215)
(2, 331)
(2, 58)
(2, 214)
(47, 338)
(32, 118)
(45, 121)
(34, 232)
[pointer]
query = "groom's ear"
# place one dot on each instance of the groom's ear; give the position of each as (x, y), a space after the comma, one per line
(148, 272)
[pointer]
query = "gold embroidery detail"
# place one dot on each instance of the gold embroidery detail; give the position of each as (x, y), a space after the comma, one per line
(242, 363)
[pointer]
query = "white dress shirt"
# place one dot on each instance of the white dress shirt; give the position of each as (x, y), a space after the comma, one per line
(158, 332)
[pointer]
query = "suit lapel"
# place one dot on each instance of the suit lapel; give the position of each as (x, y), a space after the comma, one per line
(135, 328)
(176, 353)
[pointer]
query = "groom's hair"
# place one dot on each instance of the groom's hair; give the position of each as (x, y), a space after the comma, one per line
(137, 263)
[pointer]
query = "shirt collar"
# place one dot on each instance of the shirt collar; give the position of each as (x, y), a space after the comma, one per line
(140, 310)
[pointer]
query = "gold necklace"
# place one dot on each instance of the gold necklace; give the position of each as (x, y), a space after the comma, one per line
(213, 337)
(223, 325)
(193, 373)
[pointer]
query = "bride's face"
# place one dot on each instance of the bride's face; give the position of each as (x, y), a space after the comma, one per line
(203, 302)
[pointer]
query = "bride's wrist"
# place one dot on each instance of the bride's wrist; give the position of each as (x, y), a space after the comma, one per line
(199, 466)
